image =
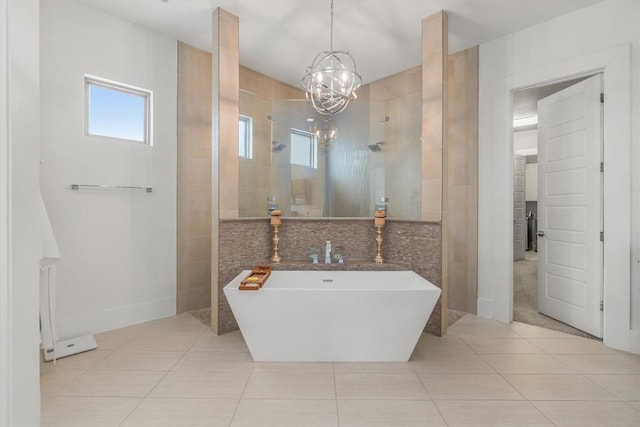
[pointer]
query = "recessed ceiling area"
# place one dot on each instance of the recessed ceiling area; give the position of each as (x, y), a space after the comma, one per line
(280, 38)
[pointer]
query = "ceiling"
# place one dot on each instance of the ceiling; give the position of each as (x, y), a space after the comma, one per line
(280, 38)
(525, 102)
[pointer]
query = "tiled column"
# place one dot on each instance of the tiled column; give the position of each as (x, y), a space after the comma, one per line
(226, 89)
(435, 52)
(434, 112)
(224, 142)
(461, 211)
(194, 178)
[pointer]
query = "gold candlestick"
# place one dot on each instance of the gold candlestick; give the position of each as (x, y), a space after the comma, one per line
(276, 245)
(378, 259)
(378, 220)
(276, 220)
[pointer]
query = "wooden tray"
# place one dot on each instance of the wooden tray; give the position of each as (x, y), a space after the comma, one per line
(256, 278)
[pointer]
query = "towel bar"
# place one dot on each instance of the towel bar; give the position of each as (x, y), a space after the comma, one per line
(117, 187)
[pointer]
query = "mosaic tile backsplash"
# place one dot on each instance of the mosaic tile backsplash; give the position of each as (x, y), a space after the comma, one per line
(245, 243)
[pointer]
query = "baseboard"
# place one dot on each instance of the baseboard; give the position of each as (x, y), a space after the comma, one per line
(69, 347)
(634, 341)
(119, 317)
(486, 308)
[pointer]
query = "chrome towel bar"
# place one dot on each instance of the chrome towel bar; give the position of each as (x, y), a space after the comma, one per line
(110, 187)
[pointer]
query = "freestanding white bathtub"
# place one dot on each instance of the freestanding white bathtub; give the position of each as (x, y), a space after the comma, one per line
(331, 316)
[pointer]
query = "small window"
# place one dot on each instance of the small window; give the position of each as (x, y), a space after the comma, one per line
(245, 143)
(116, 110)
(304, 148)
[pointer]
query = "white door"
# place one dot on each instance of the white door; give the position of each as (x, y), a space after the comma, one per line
(570, 261)
(519, 208)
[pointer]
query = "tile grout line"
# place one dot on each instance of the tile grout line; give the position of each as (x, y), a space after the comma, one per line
(630, 404)
(526, 399)
(435, 405)
(159, 381)
(618, 399)
(335, 391)
(149, 392)
(495, 371)
(244, 388)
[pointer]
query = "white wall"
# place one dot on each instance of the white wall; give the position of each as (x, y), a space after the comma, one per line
(604, 37)
(525, 142)
(118, 248)
(19, 237)
(635, 196)
(5, 306)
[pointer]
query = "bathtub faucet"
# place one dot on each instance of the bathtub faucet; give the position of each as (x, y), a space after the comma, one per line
(327, 253)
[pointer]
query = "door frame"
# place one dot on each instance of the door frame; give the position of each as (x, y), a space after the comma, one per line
(5, 305)
(495, 269)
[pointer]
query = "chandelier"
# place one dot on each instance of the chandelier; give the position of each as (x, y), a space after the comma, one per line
(325, 132)
(331, 80)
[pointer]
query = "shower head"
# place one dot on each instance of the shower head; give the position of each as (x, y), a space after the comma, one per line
(277, 147)
(376, 147)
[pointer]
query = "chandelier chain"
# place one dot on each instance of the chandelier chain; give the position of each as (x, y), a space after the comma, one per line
(331, 42)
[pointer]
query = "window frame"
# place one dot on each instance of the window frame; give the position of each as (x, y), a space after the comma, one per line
(248, 137)
(313, 147)
(146, 94)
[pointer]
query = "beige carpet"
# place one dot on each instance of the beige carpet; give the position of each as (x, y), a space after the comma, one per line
(525, 297)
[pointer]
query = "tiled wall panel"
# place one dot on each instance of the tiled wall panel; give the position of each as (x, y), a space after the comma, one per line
(434, 112)
(194, 179)
(461, 210)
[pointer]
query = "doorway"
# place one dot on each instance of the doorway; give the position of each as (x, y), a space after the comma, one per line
(527, 306)
(495, 184)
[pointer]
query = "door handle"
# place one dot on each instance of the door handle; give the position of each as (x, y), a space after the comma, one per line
(540, 233)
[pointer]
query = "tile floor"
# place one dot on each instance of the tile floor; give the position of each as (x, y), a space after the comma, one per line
(175, 372)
